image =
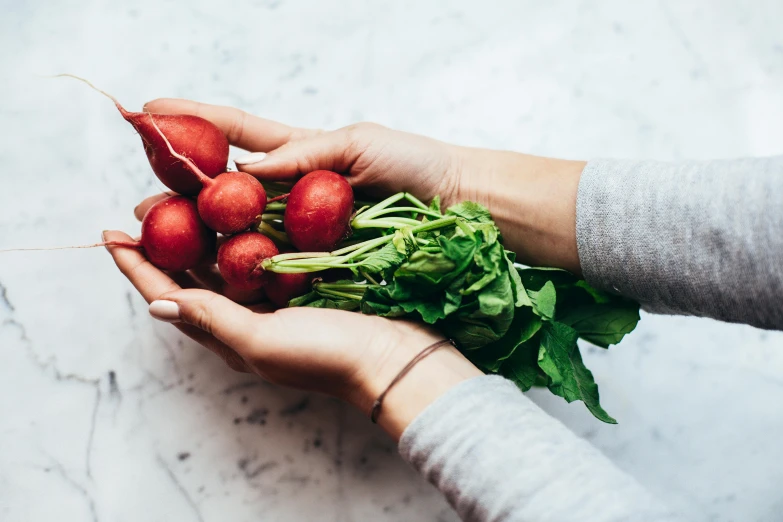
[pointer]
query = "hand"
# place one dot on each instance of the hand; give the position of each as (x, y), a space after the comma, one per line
(344, 354)
(532, 199)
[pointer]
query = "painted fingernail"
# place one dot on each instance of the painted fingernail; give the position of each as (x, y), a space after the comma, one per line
(249, 159)
(166, 311)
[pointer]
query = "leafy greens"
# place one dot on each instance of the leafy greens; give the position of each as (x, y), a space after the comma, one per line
(453, 272)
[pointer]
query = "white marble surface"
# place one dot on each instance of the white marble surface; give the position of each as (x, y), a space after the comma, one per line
(106, 415)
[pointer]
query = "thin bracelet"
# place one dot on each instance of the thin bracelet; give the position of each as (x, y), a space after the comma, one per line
(376, 406)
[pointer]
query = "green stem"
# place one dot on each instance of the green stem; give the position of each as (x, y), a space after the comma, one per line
(390, 222)
(368, 277)
(269, 230)
(359, 212)
(391, 210)
(359, 203)
(344, 287)
(385, 203)
(434, 225)
(298, 263)
(275, 206)
(413, 199)
(376, 241)
(317, 264)
(336, 293)
(384, 207)
(271, 217)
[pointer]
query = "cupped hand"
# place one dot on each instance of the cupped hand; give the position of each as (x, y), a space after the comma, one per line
(344, 354)
(375, 159)
(532, 199)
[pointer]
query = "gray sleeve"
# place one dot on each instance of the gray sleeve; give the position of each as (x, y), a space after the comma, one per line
(696, 238)
(496, 456)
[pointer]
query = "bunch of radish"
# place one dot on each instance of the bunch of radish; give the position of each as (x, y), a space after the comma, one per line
(189, 155)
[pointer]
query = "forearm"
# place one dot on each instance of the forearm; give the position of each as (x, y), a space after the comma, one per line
(532, 199)
(498, 457)
(699, 238)
(492, 452)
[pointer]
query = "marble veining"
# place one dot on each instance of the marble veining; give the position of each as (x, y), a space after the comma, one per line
(109, 416)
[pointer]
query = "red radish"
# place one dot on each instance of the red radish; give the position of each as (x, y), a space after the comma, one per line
(231, 202)
(173, 236)
(318, 211)
(198, 139)
(281, 288)
(240, 258)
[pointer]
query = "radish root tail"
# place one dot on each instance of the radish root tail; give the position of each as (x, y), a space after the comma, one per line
(128, 244)
(88, 82)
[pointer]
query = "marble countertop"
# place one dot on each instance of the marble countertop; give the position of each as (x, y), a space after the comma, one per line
(107, 415)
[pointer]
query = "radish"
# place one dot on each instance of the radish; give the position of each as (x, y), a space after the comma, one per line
(173, 236)
(198, 139)
(318, 211)
(230, 202)
(239, 260)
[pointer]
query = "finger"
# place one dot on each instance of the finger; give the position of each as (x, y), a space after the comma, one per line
(148, 280)
(228, 322)
(141, 209)
(229, 356)
(242, 129)
(152, 283)
(333, 150)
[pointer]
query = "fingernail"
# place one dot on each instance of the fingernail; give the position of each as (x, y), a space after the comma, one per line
(166, 311)
(249, 159)
(103, 239)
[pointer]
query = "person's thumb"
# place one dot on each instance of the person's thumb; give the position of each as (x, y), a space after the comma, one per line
(228, 322)
(323, 151)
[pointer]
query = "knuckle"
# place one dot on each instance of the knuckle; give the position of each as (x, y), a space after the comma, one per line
(200, 315)
(129, 269)
(362, 127)
(297, 134)
(237, 128)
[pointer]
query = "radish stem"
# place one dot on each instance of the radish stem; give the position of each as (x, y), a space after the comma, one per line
(270, 231)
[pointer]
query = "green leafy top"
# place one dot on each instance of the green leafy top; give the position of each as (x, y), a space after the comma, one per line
(451, 270)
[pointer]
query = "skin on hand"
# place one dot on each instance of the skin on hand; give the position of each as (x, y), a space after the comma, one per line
(348, 355)
(343, 354)
(532, 199)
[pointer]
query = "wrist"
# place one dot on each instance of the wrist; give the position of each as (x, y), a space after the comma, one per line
(532, 200)
(424, 383)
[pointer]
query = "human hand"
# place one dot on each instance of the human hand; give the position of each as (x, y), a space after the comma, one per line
(532, 199)
(347, 355)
